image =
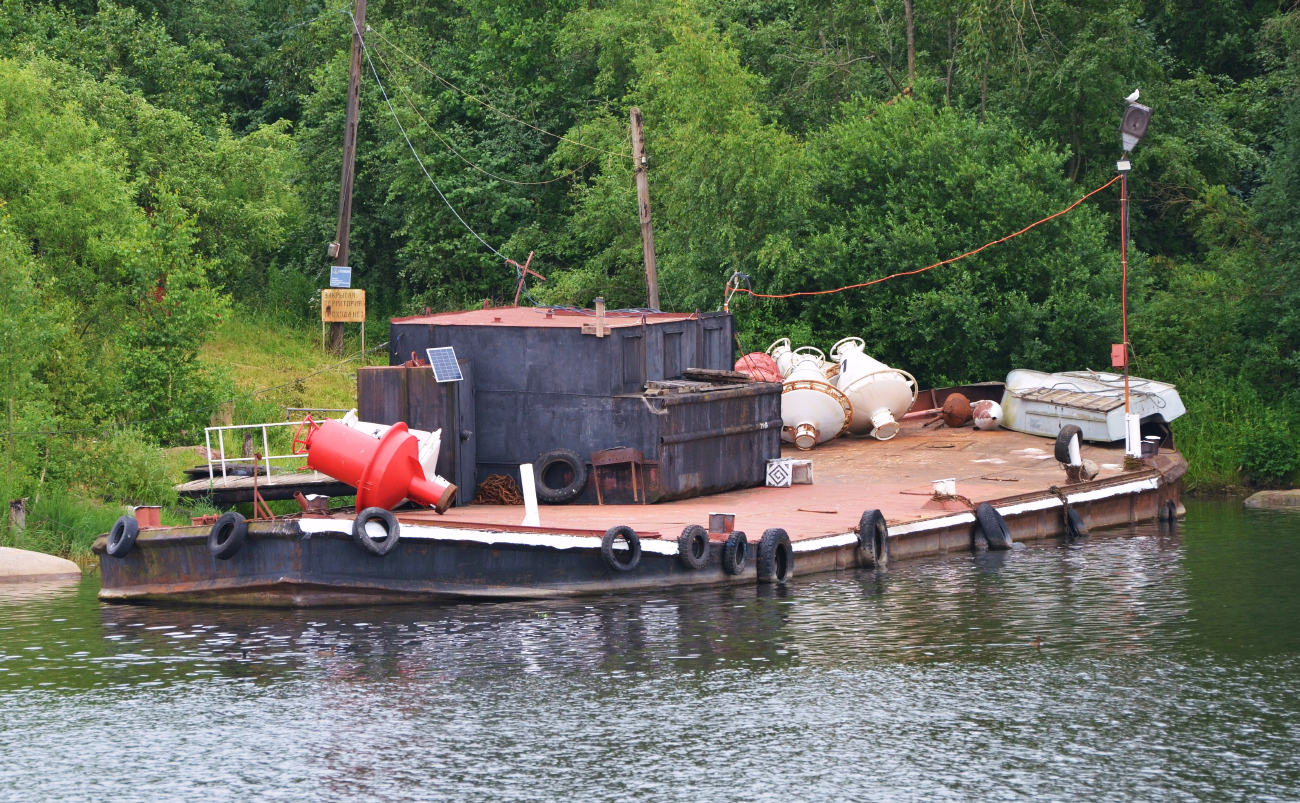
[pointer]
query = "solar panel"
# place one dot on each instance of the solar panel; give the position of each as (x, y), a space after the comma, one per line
(443, 362)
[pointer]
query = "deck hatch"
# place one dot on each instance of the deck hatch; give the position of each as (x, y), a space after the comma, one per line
(1074, 399)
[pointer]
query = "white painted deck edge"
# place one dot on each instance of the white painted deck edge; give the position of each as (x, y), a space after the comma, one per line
(552, 540)
(669, 547)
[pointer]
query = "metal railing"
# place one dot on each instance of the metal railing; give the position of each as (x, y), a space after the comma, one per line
(289, 411)
(266, 457)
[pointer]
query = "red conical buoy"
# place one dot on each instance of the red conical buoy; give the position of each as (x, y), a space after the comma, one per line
(383, 470)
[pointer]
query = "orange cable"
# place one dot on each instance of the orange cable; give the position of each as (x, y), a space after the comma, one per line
(1069, 208)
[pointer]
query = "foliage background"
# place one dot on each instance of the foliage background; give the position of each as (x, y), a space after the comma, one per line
(168, 167)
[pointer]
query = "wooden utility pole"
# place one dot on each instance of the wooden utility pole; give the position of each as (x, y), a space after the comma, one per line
(911, 43)
(643, 205)
(349, 160)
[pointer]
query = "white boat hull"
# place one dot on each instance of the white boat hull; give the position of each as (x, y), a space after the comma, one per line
(1039, 403)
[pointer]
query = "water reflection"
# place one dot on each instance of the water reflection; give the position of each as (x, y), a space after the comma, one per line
(1141, 667)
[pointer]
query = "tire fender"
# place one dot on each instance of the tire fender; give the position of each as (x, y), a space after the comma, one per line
(992, 526)
(1169, 511)
(693, 547)
(1068, 433)
(612, 558)
(1075, 525)
(873, 537)
(376, 531)
(559, 496)
(121, 538)
(227, 536)
(735, 554)
(775, 557)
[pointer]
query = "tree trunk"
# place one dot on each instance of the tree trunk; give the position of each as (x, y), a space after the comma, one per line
(911, 43)
(984, 89)
(336, 338)
(952, 60)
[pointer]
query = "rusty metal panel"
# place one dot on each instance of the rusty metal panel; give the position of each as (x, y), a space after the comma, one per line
(381, 394)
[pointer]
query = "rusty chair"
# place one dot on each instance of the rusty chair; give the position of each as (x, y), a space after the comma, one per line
(618, 456)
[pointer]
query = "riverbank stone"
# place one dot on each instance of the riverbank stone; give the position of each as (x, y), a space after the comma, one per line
(22, 566)
(1275, 500)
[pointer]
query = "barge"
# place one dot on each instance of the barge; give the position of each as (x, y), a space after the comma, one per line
(480, 552)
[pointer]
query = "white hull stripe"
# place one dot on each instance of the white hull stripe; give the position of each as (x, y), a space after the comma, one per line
(845, 539)
(552, 540)
(669, 547)
(826, 542)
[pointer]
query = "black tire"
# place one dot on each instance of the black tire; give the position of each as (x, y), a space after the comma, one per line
(560, 475)
(227, 536)
(122, 537)
(633, 548)
(1063, 438)
(735, 554)
(1075, 525)
(376, 544)
(992, 526)
(775, 557)
(873, 537)
(1169, 511)
(693, 547)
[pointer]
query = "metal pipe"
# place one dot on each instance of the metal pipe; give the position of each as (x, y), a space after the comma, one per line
(719, 432)
(1123, 258)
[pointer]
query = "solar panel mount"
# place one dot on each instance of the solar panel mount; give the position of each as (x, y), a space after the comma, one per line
(443, 362)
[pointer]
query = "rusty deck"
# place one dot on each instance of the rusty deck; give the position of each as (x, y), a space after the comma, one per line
(850, 475)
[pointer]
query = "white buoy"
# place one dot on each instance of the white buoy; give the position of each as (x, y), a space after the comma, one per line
(781, 352)
(430, 443)
(987, 414)
(812, 409)
(878, 395)
(529, 486)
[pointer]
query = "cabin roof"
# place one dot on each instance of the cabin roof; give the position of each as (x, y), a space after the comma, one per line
(543, 317)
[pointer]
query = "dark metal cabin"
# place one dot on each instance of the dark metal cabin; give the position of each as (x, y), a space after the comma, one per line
(541, 383)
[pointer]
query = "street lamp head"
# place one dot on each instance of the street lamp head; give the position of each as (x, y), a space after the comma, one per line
(1133, 127)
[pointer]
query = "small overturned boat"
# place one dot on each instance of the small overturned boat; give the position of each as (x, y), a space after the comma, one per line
(1039, 403)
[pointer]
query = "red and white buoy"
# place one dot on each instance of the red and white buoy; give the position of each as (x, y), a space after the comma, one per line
(383, 470)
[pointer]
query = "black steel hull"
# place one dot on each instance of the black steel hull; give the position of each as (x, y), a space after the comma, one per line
(281, 566)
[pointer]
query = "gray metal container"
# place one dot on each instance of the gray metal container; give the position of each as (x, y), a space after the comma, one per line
(540, 383)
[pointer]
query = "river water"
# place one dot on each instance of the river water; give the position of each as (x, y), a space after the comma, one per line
(1163, 665)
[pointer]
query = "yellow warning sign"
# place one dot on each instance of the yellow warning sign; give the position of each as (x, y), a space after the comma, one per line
(343, 306)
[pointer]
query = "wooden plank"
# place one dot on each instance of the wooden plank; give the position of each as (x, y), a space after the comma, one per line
(713, 375)
(234, 490)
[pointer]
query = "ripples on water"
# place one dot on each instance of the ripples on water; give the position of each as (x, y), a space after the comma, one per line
(1156, 667)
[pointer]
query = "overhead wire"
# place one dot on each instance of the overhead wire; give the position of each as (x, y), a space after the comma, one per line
(406, 95)
(365, 49)
(732, 289)
(519, 272)
(487, 105)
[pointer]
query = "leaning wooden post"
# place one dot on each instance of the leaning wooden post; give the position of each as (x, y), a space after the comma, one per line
(643, 205)
(340, 247)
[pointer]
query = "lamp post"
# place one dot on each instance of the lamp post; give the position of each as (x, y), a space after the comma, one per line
(1132, 128)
